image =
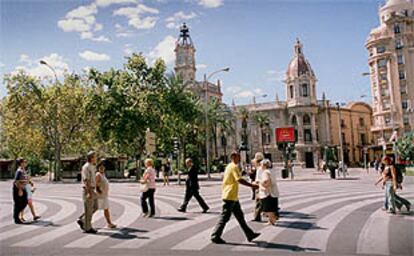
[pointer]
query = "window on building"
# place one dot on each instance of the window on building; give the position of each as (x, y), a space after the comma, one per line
(266, 138)
(343, 123)
(387, 119)
(406, 119)
(291, 91)
(382, 63)
(306, 120)
(400, 59)
(398, 43)
(404, 104)
(397, 29)
(294, 121)
(305, 90)
(308, 135)
(383, 77)
(381, 49)
(361, 121)
(401, 74)
(385, 104)
(403, 88)
(343, 138)
(363, 138)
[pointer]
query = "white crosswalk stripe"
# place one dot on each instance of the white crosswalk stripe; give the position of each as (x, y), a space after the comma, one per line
(308, 199)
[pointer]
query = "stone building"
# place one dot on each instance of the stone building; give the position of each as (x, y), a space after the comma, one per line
(185, 67)
(391, 64)
(316, 121)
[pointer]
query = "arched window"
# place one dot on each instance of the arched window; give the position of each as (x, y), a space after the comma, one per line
(294, 121)
(305, 90)
(306, 120)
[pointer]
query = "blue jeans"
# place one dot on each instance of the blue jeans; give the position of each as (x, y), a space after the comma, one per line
(389, 197)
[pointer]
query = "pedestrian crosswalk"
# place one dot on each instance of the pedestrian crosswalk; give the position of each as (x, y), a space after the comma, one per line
(311, 214)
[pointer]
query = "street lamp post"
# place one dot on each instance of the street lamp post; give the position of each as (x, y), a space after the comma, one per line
(57, 143)
(206, 78)
(341, 151)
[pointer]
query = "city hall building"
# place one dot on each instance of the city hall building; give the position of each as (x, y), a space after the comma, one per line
(317, 122)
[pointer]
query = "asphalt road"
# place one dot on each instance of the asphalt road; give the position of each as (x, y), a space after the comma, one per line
(319, 216)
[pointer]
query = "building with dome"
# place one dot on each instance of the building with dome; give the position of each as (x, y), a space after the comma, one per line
(318, 124)
(391, 65)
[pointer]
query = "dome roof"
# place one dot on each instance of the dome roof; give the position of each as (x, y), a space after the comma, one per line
(298, 65)
(395, 2)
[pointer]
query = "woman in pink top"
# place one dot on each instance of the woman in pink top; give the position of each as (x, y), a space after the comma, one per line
(148, 178)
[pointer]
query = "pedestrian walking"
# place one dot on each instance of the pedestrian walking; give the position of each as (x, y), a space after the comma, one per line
(90, 201)
(192, 188)
(252, 176)
(166, 168)
(30, 189)
(19, 191)
(258, 158)
(269, 192)
(102, 189)
(231, 204)
(389, 181)
(289, 166)
(148, 180)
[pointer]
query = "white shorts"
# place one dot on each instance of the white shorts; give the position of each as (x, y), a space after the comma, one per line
(103, 203)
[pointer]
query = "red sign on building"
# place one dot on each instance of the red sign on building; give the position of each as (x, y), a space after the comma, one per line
(285, 134)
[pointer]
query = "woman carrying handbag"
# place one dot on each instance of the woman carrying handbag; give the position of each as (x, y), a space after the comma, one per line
(148, 188)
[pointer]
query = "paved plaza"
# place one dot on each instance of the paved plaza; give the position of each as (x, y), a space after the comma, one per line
(318, 216)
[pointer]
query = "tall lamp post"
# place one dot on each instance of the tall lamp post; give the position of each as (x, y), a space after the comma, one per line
(57, 163)
(341, 150)
(206, 78)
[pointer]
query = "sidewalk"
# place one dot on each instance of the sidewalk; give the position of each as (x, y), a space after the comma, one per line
(299, 175)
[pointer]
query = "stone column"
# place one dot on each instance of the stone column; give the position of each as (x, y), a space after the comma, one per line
(313, 123)
(299, 120)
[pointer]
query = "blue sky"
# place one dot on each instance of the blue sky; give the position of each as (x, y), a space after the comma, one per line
(254, 38)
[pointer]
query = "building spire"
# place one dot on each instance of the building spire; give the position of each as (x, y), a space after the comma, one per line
(184, 38)
(298, 47)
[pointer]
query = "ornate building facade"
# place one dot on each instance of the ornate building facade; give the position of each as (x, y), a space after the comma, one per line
(391, 63)
(318, 124)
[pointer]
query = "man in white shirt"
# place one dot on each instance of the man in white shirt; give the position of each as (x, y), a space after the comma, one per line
(90, 200)
(258, 157)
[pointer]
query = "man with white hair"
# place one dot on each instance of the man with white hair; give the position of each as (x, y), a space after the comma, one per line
(258, 158)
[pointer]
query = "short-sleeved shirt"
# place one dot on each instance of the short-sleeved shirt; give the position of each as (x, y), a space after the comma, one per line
(230, 187)
(273, 190)
(150, 175)
(21, 175)
(88, 174)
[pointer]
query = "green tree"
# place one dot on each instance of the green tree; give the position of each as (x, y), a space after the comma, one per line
(52, 116)
(263, 121)
(405, 147)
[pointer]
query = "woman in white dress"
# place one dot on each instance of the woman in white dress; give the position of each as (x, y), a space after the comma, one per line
(102, 188)
(269, 192)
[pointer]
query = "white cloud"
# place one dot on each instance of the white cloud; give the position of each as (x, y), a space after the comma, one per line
(94, 56)
(201, 66)
(121, 31)
(34, 68)
(164, 50)
(145, 23)
(106, 3)
(2, 65)
(128, 49)
(210, 3)
(173, 22)
(135, 16)
(82, 20)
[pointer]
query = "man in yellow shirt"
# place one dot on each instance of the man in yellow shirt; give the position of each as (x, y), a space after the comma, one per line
(231, 204)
